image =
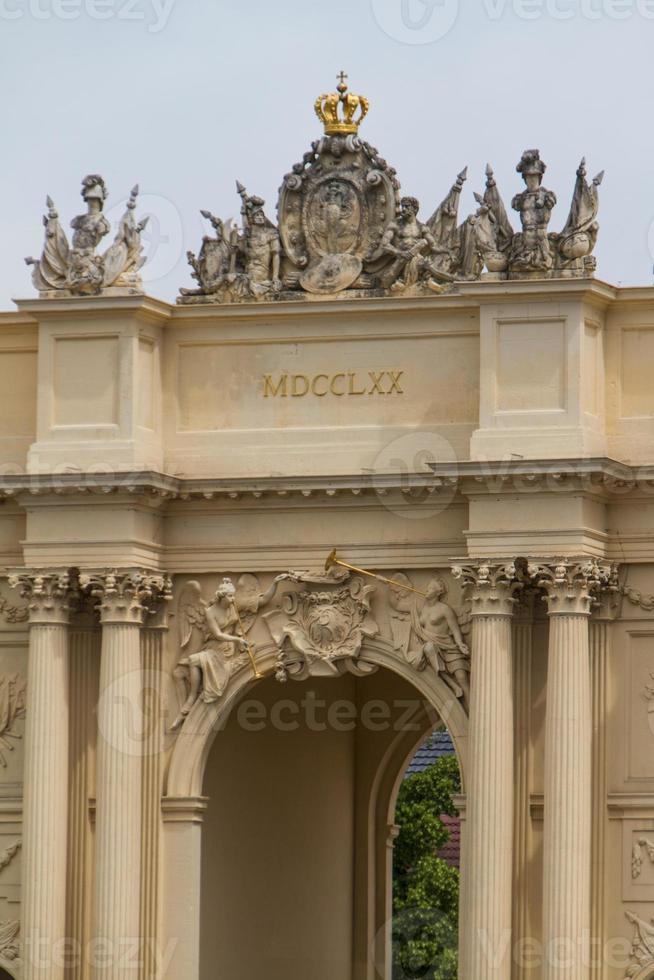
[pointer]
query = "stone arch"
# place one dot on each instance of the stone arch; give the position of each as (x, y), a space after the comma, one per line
(5, 974)
(191, 751)
(381, 835)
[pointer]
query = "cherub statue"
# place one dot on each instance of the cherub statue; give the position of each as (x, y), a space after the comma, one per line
(440, 633)
(77, 268)
(223, 623)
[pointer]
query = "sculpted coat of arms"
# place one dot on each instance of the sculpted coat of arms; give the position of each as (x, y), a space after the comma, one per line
(320, 632)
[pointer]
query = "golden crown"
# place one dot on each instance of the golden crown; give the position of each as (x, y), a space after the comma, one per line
(335, 121)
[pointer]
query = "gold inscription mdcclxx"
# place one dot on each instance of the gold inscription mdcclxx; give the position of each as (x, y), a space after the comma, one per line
(342, 383)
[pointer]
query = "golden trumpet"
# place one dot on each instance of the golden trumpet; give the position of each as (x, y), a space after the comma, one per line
(333, 560)
(256, 673)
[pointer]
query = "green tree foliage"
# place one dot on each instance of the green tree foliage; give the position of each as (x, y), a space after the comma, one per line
(425, 888)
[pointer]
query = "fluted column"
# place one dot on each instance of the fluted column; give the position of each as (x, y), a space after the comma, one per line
(605, 613)
(117, 907)
(486, 929)
(45, 788)
(568, 737)
(522, 671)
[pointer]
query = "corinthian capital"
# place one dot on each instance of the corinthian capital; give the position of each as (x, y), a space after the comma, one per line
(491, 586)
(47, 593)
(572, 586)
(126, 596)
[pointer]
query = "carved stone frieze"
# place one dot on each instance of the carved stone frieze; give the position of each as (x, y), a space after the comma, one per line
(317, 626)
(76, 268)
(343, 226)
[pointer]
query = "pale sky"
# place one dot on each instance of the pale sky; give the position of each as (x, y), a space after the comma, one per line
(186, 96)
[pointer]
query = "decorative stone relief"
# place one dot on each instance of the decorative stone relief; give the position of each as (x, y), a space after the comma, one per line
(344, 227)
(642, 948)
(431, 634)
(9, 942)
(636, 598)
(76, 268)
(641, 848)
(9, 853)
(11, 613)
(12, 708)
(222, 624)
(318, 625)
(320, 632)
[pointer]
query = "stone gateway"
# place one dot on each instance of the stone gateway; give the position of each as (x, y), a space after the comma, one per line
(374, 473)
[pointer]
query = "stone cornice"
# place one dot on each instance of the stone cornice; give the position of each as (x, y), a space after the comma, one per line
(597, 476)
(144, 307)
(465, 294)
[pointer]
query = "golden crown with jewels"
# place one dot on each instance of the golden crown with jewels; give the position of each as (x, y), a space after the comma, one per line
(339, 120)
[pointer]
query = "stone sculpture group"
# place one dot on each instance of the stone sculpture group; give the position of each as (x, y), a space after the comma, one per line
(343, 226)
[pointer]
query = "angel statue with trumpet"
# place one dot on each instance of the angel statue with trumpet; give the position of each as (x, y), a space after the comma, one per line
(223, 623)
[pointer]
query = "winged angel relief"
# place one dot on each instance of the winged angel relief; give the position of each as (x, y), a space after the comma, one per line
(222, 625)
(429, 633)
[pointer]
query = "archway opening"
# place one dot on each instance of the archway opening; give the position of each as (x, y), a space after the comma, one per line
(296, 863)
(426, 864)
